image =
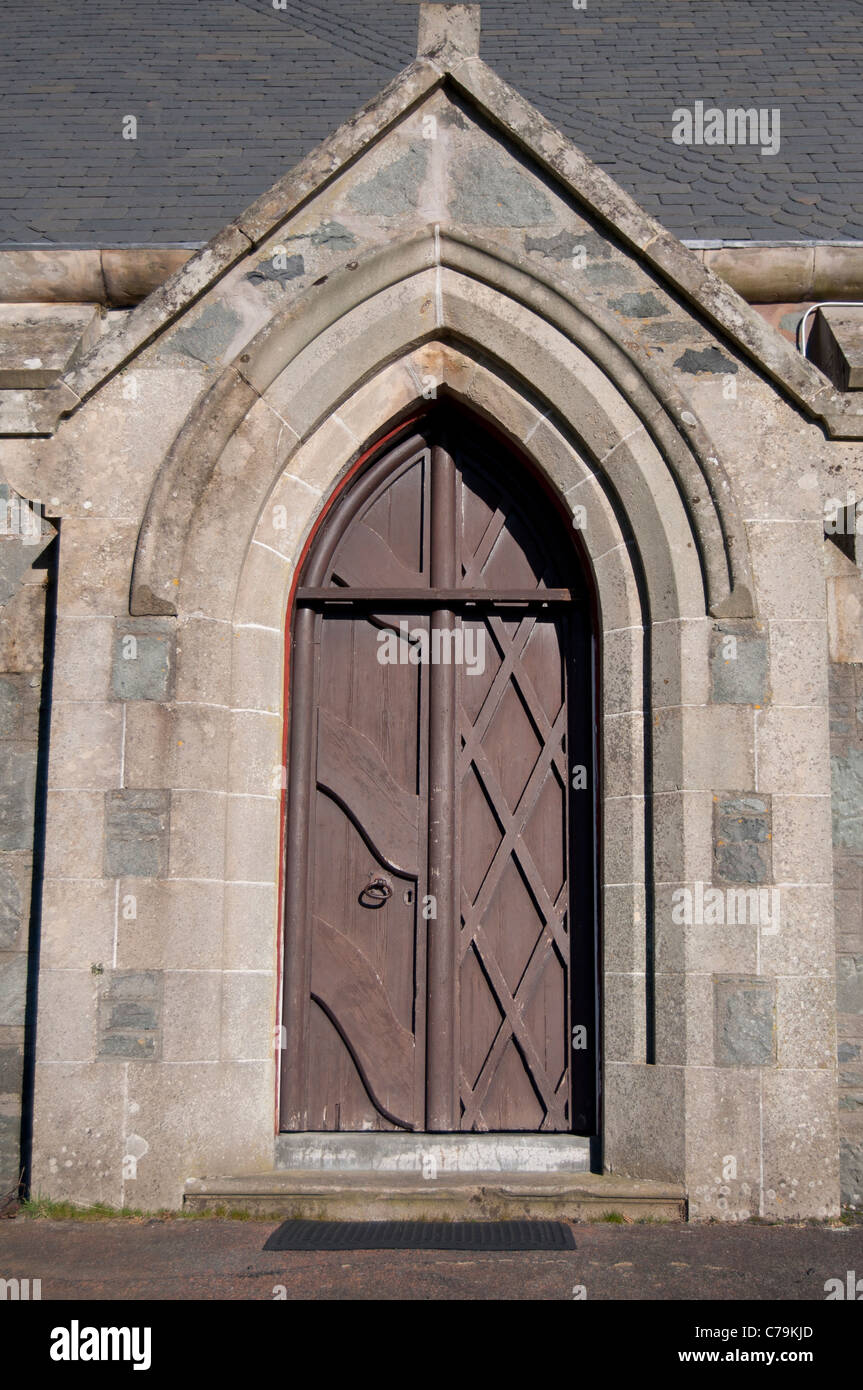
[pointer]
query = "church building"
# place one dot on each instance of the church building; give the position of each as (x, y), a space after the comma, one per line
(431, 682)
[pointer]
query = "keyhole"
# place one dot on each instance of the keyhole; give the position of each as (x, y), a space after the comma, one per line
(409, 896)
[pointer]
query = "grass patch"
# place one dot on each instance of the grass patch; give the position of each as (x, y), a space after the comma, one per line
(44, 1209)
(614, 1217)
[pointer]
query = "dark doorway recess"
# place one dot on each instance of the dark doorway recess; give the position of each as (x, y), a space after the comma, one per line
(440, 903)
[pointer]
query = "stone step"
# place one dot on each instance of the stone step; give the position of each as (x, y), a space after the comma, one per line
(434, 1154)
(376, 1196)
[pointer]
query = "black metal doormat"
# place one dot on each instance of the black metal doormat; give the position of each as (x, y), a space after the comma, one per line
(421, 1235)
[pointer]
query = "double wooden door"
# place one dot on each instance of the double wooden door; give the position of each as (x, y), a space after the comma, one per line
(440, 933)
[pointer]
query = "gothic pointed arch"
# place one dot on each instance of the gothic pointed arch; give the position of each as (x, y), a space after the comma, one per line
(441, 285)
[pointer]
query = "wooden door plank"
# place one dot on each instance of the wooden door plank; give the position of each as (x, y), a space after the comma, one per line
(352, 770)
(364, 558)
(442, 1047)
(344, 983)
(292, 1059)
(512, 759)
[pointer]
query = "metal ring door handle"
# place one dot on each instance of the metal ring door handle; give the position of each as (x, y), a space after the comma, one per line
(379, 890)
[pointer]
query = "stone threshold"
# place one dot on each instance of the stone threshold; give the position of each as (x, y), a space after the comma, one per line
(432, 1154)
(376, 1196)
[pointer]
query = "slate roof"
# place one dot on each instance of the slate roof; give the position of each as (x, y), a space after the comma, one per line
(229, 94)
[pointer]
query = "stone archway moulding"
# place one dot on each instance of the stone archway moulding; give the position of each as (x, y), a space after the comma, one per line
(454, 287)
(253, 482)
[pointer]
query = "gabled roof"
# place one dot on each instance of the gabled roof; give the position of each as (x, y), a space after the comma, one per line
(28, 412)
(230, 93)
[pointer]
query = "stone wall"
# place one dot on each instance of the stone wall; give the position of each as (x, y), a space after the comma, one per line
(843, 569)
(846, 746)
(22, 623)
(846, 756)
(192, 478)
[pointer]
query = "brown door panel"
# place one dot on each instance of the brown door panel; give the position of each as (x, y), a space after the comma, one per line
(352, 770)
(441, 936)
(353, 994)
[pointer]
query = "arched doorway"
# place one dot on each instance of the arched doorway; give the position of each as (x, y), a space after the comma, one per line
(441, 852)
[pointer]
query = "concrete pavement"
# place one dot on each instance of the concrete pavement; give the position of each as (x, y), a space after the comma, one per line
(215, 1259)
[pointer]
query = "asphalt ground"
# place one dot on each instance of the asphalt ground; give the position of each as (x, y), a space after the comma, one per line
(213, 1259)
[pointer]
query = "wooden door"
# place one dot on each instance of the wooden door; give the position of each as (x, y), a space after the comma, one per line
(440, 932)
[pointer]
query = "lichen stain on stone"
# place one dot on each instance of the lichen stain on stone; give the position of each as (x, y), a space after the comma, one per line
(847, 779)
(10, 910)
(639, 306)
(334, 236)
(609, 275)
(492, 193)
(395, 188)
(267, 269)
(451, 116)
(849, 984)
(708, 360)
(208, 337)
(791, 322)
(329, 234)
(669, 332)
(561, 247)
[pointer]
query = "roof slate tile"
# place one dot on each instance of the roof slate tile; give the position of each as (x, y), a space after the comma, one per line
(231, 94)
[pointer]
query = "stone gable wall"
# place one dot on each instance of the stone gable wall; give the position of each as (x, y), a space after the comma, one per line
(158, 986)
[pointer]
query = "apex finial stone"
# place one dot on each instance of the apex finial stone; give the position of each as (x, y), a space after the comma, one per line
(455, 25)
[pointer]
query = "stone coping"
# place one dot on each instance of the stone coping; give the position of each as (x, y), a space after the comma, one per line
(120, 277)
(117, 277)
